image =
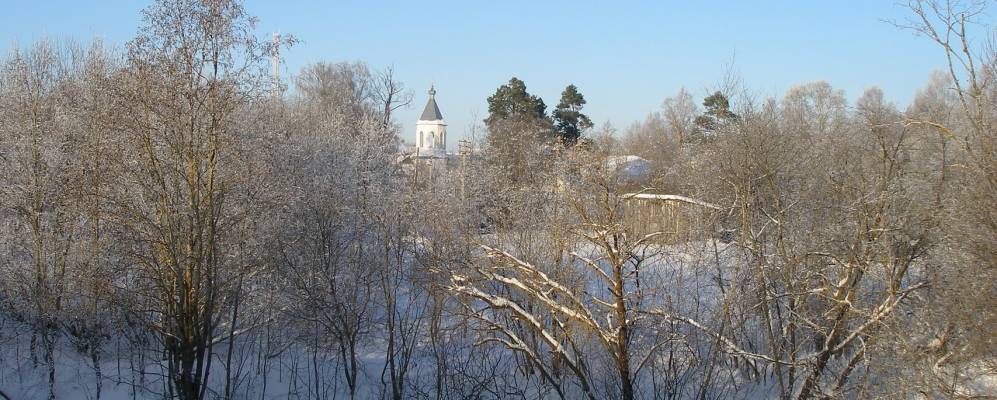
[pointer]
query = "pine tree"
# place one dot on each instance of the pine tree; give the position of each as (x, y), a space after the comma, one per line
(569, 122)
(518, 131)
(512, 102)
(717, 113)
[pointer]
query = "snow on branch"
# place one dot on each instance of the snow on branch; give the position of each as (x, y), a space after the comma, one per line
(879, 313)
(732, 347)
(576, 310)
(533, 321)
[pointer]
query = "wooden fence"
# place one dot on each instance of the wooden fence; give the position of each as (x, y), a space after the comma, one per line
(680, 218)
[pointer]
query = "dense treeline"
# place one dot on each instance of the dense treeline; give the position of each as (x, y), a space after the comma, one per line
(175, 224)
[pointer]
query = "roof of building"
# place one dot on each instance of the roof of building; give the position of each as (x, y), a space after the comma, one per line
(432, 111)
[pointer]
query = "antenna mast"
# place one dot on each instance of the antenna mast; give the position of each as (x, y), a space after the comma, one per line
(276, 64)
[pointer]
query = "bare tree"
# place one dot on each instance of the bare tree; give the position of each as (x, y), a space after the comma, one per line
(955, 113)
(584, 300)
(192, 66)
(41, 213)
(680, 113)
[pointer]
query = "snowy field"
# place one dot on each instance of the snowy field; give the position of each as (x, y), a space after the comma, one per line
(681, 277)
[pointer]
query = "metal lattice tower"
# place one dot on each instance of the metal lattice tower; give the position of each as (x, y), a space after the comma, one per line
(275, 73)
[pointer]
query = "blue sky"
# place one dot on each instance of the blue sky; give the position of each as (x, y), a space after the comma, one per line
(625, 57)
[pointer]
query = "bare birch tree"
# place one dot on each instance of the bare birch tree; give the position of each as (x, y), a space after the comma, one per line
(193, 65)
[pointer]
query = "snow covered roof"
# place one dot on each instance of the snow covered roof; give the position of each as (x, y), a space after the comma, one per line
(615, 160)
(432, 111)
(671, 197)
(630, 168)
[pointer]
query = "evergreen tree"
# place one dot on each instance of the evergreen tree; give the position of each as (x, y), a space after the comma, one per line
(518, 132)
(569, 121)
(717, 113)
(512, 102)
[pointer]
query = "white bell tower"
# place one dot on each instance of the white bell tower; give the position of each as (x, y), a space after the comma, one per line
(430, 130)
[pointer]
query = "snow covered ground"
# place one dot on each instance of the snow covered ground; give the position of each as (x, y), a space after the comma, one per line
(687, 278)
(289, 376)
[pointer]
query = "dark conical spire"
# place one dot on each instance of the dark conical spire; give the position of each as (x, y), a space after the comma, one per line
(432, 111)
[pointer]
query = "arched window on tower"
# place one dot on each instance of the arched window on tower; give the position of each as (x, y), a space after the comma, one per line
(420, 139)
(432, 139)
